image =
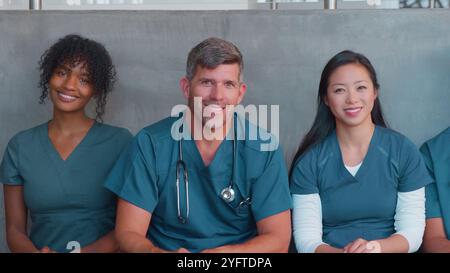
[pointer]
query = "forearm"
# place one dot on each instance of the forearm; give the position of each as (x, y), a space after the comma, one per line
(19, 242)
(264, 243)
(106, 244)
(436, 245)
(394, 244)
(307, 222)
(133, 242)
(409, 219)
(328, 249)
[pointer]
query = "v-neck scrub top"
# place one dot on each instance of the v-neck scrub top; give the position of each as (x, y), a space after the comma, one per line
(66, 198)
(145, 176)
(360, 206)
(436, 153)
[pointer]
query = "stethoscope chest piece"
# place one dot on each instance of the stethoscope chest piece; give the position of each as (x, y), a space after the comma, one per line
(227, 194)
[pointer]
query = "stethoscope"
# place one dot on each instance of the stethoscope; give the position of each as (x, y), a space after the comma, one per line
(227, 194)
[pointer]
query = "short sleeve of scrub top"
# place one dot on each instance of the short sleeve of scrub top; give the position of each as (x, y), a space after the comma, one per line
(304, 175)
(413, 173)
(9, 168)
(133, 177)
(271, 191)
(433, 208)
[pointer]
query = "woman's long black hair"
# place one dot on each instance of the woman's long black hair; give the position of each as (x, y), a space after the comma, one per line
(324, 122)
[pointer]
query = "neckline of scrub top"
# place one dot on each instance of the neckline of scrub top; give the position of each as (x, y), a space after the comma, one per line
(54, 154)
(366, 159)
(212, 167)
(219, 161)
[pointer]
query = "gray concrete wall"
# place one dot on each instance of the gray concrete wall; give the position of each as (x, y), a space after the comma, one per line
(284, 53)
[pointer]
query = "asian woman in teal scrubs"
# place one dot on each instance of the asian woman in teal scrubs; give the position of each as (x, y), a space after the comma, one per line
(357, 186)
(55, 171)
(436, 153)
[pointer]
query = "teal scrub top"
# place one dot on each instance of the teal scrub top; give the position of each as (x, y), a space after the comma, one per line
(360, 206)
(66, 199)
(145, 175)
(436, 153)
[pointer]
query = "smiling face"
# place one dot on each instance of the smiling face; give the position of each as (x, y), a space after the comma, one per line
(70, 88)
(351, 95)
(217, 87)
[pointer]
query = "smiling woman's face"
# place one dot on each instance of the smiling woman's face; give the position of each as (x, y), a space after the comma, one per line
(70, 87)
(351, 95)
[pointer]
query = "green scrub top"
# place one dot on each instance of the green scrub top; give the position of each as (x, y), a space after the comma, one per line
(145, 175)
(66, 199)
(436, 153)
(360, 206)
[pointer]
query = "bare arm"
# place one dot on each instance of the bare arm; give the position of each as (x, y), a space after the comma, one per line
(16, 220)
(131, 229)
(435, 239)
(328, 249)
(106, 244)
(274, 234)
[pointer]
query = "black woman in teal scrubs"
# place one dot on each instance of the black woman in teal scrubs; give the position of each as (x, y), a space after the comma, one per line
(55, 171)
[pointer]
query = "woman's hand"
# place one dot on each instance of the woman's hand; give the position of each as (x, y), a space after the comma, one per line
(46, 249)
(182, 250)
(363, 246)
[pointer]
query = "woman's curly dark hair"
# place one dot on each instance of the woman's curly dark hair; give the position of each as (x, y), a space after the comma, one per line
(71, 50)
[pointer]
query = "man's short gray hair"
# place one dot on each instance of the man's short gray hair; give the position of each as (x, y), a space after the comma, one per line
(211, 53)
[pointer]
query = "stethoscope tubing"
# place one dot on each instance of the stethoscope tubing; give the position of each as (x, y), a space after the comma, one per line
(227, 193)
